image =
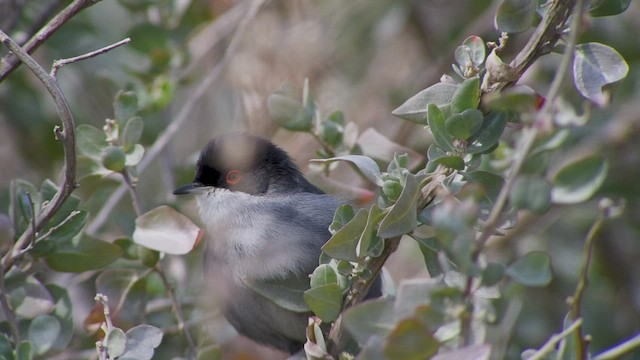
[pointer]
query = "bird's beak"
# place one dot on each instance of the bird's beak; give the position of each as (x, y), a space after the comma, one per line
(188, 189)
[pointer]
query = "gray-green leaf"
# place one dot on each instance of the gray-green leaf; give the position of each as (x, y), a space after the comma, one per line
(596, 65)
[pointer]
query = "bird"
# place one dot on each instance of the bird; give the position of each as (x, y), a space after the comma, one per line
(266, 223)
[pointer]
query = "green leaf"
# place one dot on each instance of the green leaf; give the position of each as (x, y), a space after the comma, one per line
(127, 290)
(125, 105)
(286, 293)
(368, 233)
(48, 191)
(437, 126)
(6, 349)
(43, 331)
(366, 165)
(519, 99)
(325, 301)
(607, 7)
(344, 214)
(453, 162)
(493, 273)
(132, 133)
(324, 274)
(533, 269)
(69, 227)
(475, 352)
(29, 297)
(370, 318)
(166, 230)
(141, 342)
(415, 109)
(289, 112)
(19, 206)
(343, 243)
(531, 193)
(515, 16)
(116, 341)
(133, 157)
(596, 65)
(410, 340)
(579, 180)
(90, 141)
(490, 182)
(402, 218)
(333, 128)
(413, 293)
(466, 96)
(87, 254)
(149, 39)
(462, 126)
(489, 134)
(24, 351)
(429, 248)
(63, 311)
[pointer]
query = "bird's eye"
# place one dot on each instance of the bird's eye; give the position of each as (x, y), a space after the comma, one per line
(233, 177)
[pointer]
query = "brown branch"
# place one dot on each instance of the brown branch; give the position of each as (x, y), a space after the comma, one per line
(11, 61)
(62, 62)
(68, 142)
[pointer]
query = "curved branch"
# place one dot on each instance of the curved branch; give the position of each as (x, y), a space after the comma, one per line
(66, 135)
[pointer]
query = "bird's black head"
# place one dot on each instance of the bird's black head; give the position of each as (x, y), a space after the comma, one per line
(246, 163)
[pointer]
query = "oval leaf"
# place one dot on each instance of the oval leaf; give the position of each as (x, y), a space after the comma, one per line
(286, 293)
(607, 7)
(374, 317)
(164, 229)
(466, 96)
(132, 133)
(125, 105)
(43, 332)
(141, 342)
(462, 126)
(87, 254)
(403, 218)
(515, 15)
(365, 164)
(596, 65)
(533, 269)
(489, 133)
(116, 342)
(288, 111)
(323, 275)
(437, 126)
(531, 193)
(325, 301)
(578, 181)
(342, 245)
(90, 141)
(410, 340)
(415, 109)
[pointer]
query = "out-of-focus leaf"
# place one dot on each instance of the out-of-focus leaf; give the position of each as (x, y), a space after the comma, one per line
(48, 190)
(533, 269)
(87, 254)
(287, 293)
(289, 112)
(125, 105)
(116, 341)
(520, 99)
(596, 65)
(531, 193)
(63, 311)
(415, 109)
(372, 350)
(436, 122)
(515, 15)
(491, 183)
(133, 157)
(377, 146)
(125, 289)
(43, 332)
(370, 318)
(429, 248)
(90, 141)
(365, 164)
(579, 180)
(6, 349)
(333, 128)
(477, 49)
(342, 244)
(29, 298)
(148, 38)
(489, 134)
(410, 340)
(475, 352)
(607, 7)
(166, 230)
(325, 301)
(132, 133)
(141, 342)
(402, 218)
(24, 351)
(413, 293)
(467, 96)
(113, 158)
(19, 206)
(493, 273)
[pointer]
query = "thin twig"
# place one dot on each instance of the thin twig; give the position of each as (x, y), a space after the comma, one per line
(550, 345)
(62, 62)
(177, 124)
(11, 62)
(132, 191)
(619, 350)
(68, 142)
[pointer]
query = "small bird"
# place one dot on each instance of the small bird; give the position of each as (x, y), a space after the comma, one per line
(265, 222)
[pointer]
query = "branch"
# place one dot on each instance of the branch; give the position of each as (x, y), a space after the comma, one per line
(11, 62)
(62, 62)
(619, 350)
(66, 135)
(550, 345)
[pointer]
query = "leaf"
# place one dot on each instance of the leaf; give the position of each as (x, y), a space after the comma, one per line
(437, 126)
(472, 352)
(325, 301)
(69, 227)
(149, 39)
(368, 233)
(24, 351)
(125, 105)
(607, 7)
(477, 49)
(19, 206)
(48, 190)
(166, 230)
(531, 193)
(116, 341)
(63, 311)
(43, 331)
(415, 108)
(286, 293)
(141, 342)
(596, 65)
(467, 96)
(365, 165)
(489, 134)
(462, 126)
(519, 99)
(490, 182)
(29, 297)
(410, 340)
(324, 274)
(127, 291)
(289, 112)
(515, 16)
(342, 245)
(90, 141)
(453, 162)
(579, 180)
(88, 254)
(344, 214)
(6, 349)
(133, 157)
(493, 273)
(413, 293)
(533, 269)
(402, 218)
(132, 133)
(429, 248)
(370, 318)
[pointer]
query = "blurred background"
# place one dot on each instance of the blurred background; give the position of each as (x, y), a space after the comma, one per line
(361, 57)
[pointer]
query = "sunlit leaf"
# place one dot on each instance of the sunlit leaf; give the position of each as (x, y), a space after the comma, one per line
(29, 298)
(515, 15)
(579, 180)
(133, 157)
(415, 109)
(533, 269)
(365, 165)
(323, 275)
(166, 230)
(325, 301)
(596, 65)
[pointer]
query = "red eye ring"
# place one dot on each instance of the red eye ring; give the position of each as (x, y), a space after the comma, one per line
(233, 177)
